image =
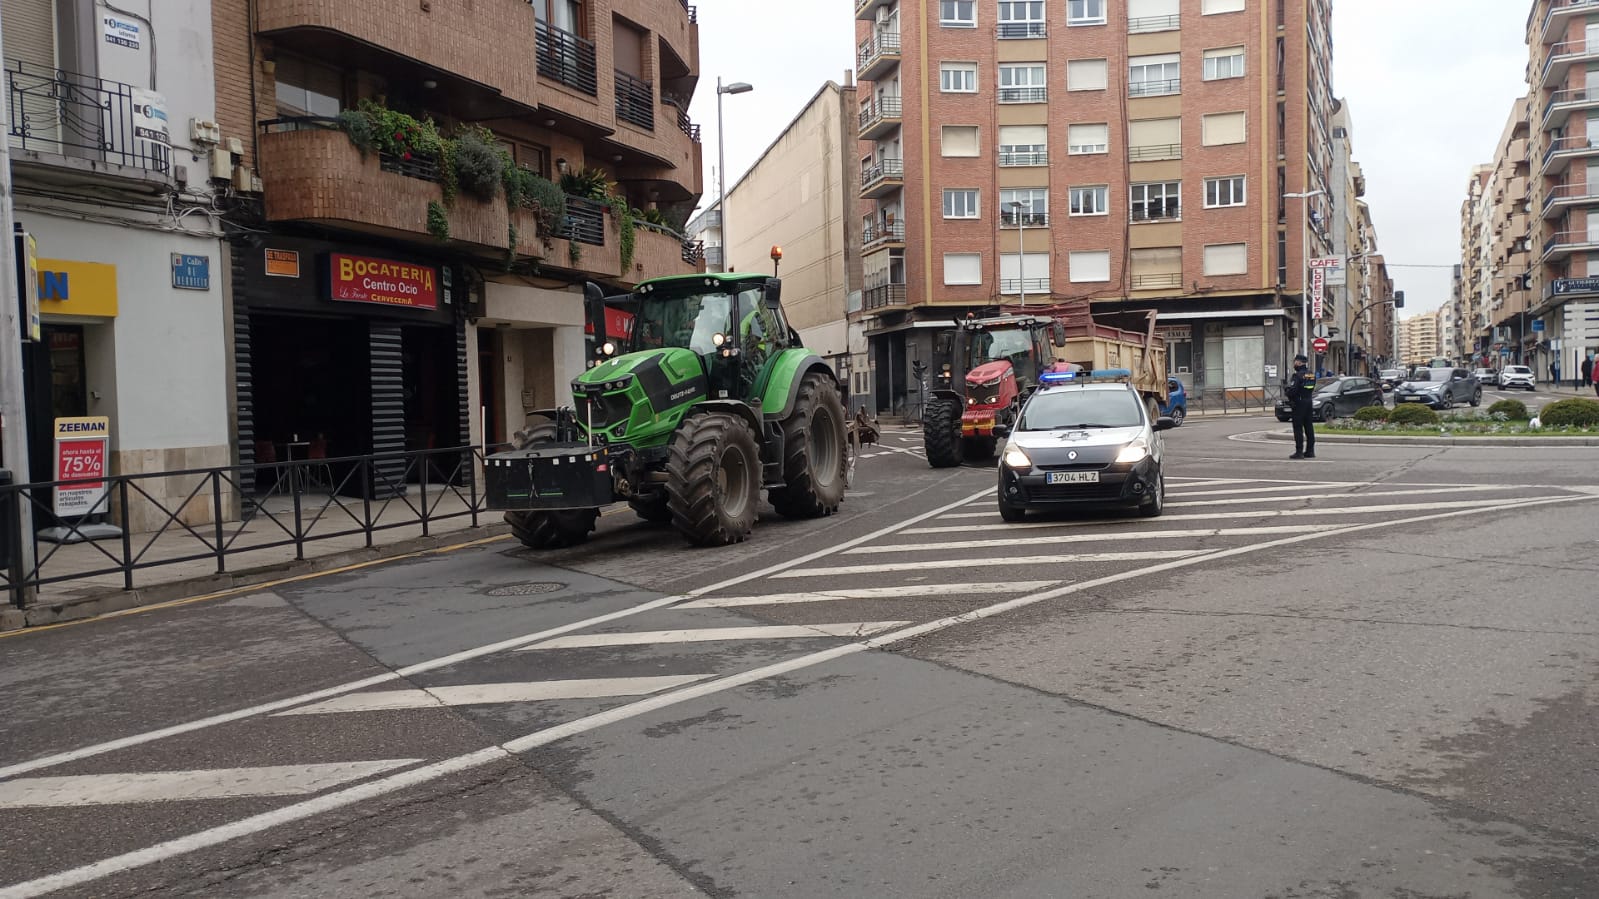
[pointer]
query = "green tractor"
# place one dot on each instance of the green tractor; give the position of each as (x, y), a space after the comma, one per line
(707, 398)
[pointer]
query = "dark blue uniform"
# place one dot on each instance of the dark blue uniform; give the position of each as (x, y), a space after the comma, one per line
(1300, 387)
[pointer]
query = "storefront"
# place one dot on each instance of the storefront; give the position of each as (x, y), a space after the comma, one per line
(346, 350)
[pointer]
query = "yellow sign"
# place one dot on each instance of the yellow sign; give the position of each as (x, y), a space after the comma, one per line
(77, 288)
(82, 428)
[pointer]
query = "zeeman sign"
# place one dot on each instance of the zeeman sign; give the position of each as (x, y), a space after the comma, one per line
(77, 288)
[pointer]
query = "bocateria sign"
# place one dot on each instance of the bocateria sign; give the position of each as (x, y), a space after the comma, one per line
(365, 279)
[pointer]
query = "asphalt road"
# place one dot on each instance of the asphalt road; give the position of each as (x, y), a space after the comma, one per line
(1371, 674)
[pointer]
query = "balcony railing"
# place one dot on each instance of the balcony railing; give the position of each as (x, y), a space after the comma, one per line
(584, 222)
(635, 101)
(54, 111)
(1565, 53)
(713, 257)
(882, 296)
(567, 58)
(693, 251)
(1154, 152)
(886, 170)
(1152, 282)
(1158, 88)
(1015, 285)
(684, 123)
(1577, 144)
(1024, 219)
(883, 43)
(886, 108)
(693, 12)
(1157, 212)
(1565, 6)
(1023, 95)
(1013, 159)
(882, 233)
(1563, 100)
(1579, 191)
(1013, 31)
(1146, 24)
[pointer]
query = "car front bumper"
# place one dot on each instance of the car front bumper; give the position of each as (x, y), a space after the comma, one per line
(1119, 485)
(1430, 400)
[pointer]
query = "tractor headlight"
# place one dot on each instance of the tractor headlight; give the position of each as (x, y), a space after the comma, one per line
(719, 339)
(1133, 453)
(971, 401)
(1017, 458)
(608, 348)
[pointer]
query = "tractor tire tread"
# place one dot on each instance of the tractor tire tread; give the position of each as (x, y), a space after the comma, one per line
(691, 486)
(940, 435)
(802, 495)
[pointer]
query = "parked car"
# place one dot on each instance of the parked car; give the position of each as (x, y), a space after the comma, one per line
(1391, 378)
(1440, 388)
(1517, 376)
(1176, 406)
(1487, 377)
(1336, 398)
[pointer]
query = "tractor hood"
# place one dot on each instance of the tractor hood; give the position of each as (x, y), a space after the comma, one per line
(656, 371)
(988, 372)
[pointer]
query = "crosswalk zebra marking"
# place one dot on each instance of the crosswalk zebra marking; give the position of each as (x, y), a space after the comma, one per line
(1388, 507)
(1009, 562)
(1078, 538)
(488, 694)
(1263, 514)
(907, 591)
(183, 786)
(717, 634)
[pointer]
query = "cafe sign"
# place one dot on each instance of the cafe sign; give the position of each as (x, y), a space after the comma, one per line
(367, 279)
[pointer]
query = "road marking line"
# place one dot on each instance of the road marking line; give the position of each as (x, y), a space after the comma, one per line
(1009, 562)
(185, 786)
(1074, 538)
(1390, 507)
(1320, 486)
(488, 694)
(349, 796)
(908, 591)
(1208, 516)
(467, 654)
(717, 634)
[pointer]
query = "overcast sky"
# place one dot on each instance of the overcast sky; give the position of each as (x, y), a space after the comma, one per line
(1429, 84)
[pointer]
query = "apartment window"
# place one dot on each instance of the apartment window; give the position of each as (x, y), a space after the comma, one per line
(963, 268)
(1086, 75)
(957, 13)
(1022, 145)
(1154, 268)
(958, 140)
(1021, 18)
(960, 203)
(1088, 265)
(1012, 272)
(1085, 139)
(1021, 83)
(1091, 200)
(1222, 128)
(1211, 7)
(1151, 139)
(1226, 259)
(957, 77)
(1144, 16)
(1156, 201)
(1034, 211)
(305, 88)
(1221, 192)
(1085, 12)
(1227, 62)
(1154, 76)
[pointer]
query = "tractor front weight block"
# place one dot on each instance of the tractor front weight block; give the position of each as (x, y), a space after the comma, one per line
(549, 477)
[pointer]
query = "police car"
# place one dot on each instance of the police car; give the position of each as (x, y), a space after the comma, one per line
(1083, 439)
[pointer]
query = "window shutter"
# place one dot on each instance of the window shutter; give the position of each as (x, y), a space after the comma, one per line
(1223, 128)
(1086, 75)
(1227, 259)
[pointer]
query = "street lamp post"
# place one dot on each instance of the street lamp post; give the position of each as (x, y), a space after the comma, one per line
(1304, 234)
(737, 87)
(1016, 207)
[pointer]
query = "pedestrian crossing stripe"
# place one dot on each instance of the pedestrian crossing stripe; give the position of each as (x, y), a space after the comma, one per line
(1077, 538)
(181, 786)
(489, 694)
(906, 591)
(1009, 562)
(717, 634)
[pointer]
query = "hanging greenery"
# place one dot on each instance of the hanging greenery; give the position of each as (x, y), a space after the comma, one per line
(510, 245)
(438, 220)
(477, 165)
(624, 227)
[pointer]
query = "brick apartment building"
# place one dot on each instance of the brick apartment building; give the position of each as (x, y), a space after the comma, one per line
(1493, 316)
(1151, 146)
(487, 320)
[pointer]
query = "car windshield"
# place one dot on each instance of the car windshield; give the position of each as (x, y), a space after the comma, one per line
(1329, 387)
(691, 320)
(1431, 374)
(988, 346)
(1518, 370)
(1069, 408)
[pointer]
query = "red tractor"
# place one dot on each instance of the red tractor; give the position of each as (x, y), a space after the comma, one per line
(986, 367)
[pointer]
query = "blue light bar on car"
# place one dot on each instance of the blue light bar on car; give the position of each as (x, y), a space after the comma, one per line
(1057, 377)
(1103, 374)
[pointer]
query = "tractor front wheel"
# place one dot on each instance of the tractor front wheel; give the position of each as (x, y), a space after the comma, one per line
(552, 528)
(941, 434)
(714, 479)
(651, 507)
(814, 461)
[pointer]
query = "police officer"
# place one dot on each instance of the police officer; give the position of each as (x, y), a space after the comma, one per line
(1301, 385)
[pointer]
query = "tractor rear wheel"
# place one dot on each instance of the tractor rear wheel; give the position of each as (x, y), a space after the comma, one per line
(814, 461)
(651, 507)
(714, 479)
(977, 449)
(941, 434)
(550, 528)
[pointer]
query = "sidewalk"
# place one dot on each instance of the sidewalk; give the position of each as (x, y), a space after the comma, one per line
(98, 581)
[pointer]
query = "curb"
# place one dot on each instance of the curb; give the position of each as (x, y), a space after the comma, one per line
(1392, 439)
(103, 602)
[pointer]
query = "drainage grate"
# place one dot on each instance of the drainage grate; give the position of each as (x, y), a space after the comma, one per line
(526, 589)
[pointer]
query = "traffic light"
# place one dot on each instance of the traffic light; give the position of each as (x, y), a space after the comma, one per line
(1399, 299)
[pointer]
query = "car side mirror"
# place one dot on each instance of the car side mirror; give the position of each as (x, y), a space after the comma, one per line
(1001, 430)
(1165, 423)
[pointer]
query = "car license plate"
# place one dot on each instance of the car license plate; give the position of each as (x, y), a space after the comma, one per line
(1412, 399)
(1071, 477)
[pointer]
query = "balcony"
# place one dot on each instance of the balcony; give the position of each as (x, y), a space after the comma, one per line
(1017, 285)
(566, 58)
(659, 251)
(1560, 198)
(1563, 103)
(881, 118)
(62, 120)
(635, 101)
(1562, 57)
(1023, 95)
(680, 113)
(877, 55)
(1561, 245)
(883, 235)
(1020, 31)
(1562, 11)
(882, 179)
(1024, 220)
(1154, 152)
(866, 10)
(1157, 212)
(883, 296)
(1160, 87)
(1150, 24)
(1022, 158)
(584, 222)
(1562, 150)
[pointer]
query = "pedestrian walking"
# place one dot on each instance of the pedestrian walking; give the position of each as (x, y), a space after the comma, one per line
(1554, 372)
(1300, 388)
(1595, 375)
(1587, 371)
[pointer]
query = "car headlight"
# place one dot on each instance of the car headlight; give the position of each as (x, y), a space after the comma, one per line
(1133, 453)
(1017, 458)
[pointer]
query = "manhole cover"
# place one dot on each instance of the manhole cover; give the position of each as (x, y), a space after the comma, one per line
(526, 589)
